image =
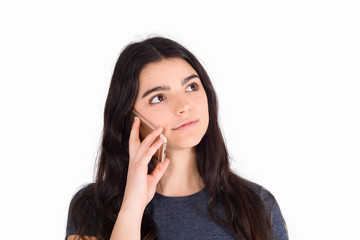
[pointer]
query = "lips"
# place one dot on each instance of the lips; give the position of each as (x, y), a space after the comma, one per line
(187, 124)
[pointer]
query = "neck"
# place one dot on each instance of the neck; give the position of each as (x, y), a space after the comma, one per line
(182, 177)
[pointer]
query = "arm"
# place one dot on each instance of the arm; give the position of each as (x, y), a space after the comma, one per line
(140, 186)
(278, 223)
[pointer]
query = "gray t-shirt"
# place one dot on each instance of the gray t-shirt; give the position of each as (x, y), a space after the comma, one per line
(188, 218)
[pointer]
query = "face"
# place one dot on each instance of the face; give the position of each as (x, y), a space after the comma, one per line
(171, 95)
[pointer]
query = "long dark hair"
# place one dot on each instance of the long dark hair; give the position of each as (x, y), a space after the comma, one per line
(244, 213)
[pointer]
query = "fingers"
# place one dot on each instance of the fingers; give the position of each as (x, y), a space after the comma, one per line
(152, 136)
(143, 151)
(153, 148)
(134, 139)
(159, 170)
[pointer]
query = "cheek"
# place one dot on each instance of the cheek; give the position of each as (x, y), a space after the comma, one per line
(200, 105)
(205, 112)
(158, 117)
(203, 102)
(205, 116)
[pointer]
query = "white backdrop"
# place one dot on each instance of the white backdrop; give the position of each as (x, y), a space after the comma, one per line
(286, 74)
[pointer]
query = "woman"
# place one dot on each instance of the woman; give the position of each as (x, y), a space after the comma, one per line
(193, 194)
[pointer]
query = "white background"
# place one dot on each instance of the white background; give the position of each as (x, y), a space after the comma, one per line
(287, 77)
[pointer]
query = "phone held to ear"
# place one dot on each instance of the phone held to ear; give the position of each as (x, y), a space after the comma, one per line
(145, 129)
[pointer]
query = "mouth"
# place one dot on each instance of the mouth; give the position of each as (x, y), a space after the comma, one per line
(186, 125)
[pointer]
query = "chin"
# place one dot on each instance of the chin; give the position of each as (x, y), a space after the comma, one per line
(182, 143)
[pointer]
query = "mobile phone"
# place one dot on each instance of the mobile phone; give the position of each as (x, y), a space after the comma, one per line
(145, 129)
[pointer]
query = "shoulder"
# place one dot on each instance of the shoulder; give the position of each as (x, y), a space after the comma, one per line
(83, 191)
(83, 200)
(265, 195)
(272, 208)
(82, 205)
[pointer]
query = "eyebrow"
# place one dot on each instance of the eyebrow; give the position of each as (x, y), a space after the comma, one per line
(164, 88)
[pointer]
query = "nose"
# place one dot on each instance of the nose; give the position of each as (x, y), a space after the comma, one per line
(182, 106)
(184, 109)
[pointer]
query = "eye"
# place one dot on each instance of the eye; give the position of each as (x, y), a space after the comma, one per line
(192, 87)
(157, 99)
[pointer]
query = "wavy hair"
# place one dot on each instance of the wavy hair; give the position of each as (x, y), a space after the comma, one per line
(244, 212)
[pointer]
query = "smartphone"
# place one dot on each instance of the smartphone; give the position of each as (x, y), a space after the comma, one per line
(145, 129)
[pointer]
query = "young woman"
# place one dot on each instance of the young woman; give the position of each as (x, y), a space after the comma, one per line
(193, 194)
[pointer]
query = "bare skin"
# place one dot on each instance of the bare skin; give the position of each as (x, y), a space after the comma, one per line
(179, 110)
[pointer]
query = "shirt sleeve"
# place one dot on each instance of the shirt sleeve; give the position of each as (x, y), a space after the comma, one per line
(277, 221)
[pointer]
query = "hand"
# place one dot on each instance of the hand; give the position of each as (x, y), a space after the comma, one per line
(140, 186)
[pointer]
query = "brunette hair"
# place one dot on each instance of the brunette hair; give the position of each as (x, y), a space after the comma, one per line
(100, 202)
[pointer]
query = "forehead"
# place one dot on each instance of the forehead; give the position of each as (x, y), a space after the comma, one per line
(165, 72)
